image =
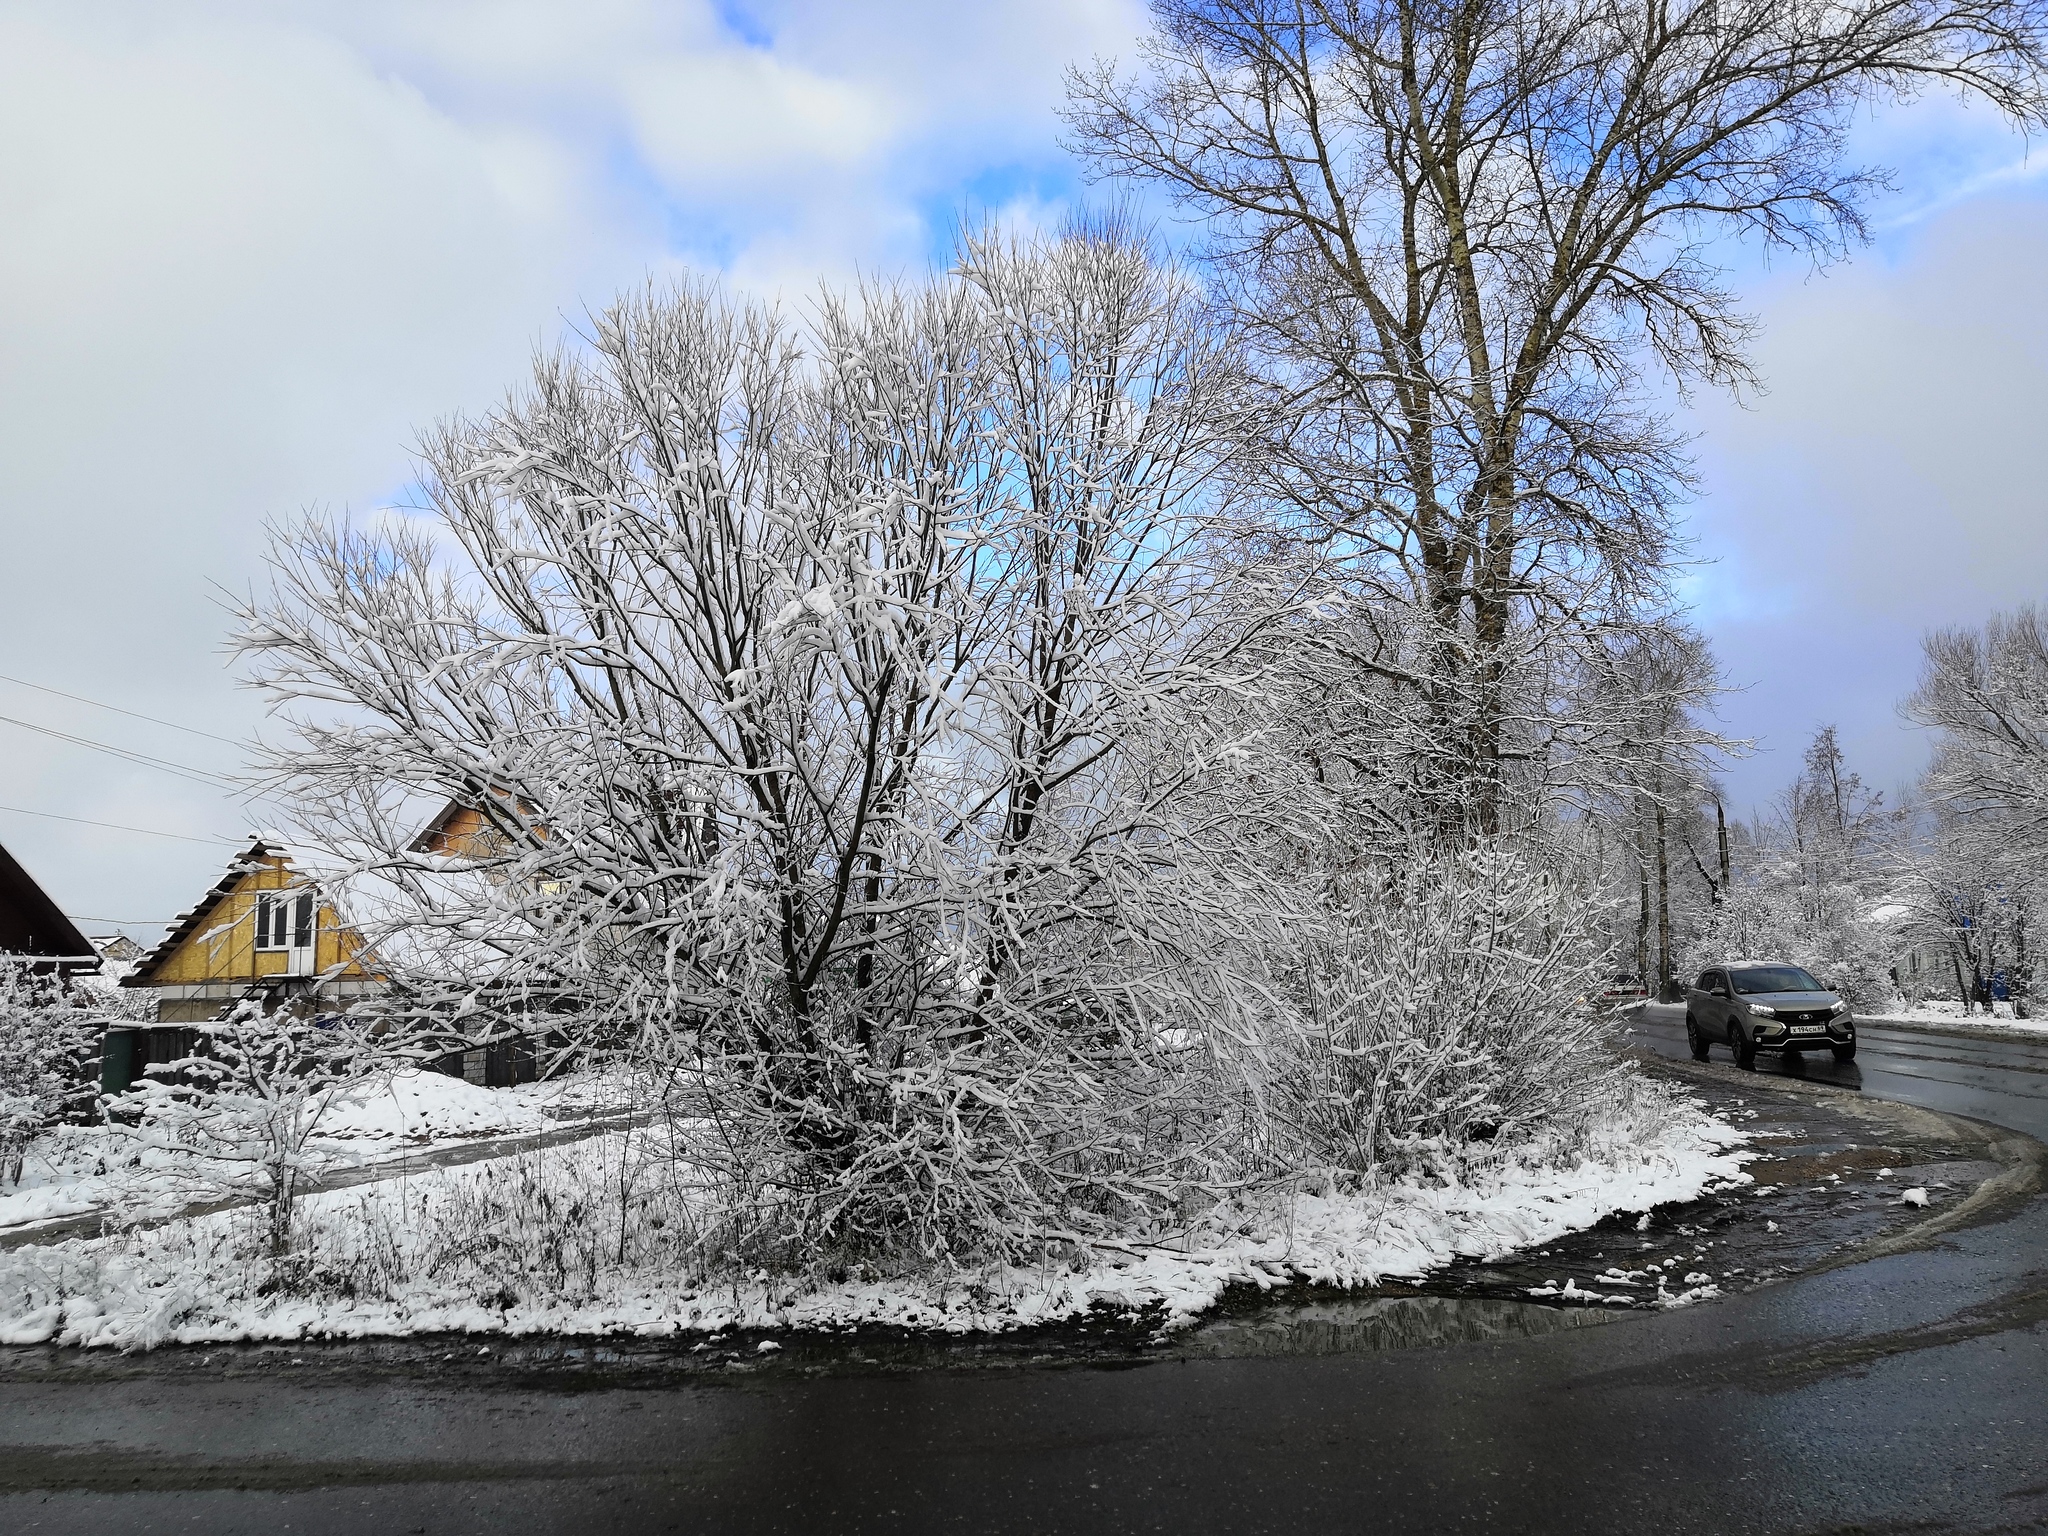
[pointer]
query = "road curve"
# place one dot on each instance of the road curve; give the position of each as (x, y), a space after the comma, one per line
(2002, 1079)
(1906, 1393)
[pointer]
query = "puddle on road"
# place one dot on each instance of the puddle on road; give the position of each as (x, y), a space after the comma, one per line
(1249, 1326)
(1370, 1324)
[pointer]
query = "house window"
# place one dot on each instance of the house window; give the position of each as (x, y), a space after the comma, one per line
(284, 921)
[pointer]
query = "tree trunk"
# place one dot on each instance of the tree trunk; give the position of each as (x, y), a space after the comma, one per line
(1721, 831)
(1642, 907)
(2021, 988)
(1663, 910)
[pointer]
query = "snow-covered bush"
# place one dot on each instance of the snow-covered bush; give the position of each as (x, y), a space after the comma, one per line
(48, 1041)
(1444, 1001)
(237, 1117)
(876, 727)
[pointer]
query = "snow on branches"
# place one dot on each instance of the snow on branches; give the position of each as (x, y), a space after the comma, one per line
(828, 689)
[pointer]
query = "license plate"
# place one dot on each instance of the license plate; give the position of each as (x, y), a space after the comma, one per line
(1808, 1029)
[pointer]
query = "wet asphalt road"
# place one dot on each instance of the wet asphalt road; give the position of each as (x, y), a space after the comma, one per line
(1907, 1393)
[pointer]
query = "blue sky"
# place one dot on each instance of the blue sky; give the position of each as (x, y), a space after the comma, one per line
(254, 244)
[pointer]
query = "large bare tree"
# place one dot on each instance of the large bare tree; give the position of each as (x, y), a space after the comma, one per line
(1460, 229)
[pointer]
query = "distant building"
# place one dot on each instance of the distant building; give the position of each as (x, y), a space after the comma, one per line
(32, 926)
(277, 930)
(118, 953)
(263, 930)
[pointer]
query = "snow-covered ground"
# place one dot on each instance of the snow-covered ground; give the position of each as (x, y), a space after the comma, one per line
(1937, 1013)
(597, 1237)
(77, 1170)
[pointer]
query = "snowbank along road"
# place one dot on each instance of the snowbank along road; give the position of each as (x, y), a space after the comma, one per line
(1904, 1392)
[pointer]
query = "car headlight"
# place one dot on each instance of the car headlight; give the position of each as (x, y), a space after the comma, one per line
(1839, 1009)
(1760, 1011)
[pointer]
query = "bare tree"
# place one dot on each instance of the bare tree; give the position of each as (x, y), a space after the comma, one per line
(1456, 231)
(829, 690)
(1986, 693)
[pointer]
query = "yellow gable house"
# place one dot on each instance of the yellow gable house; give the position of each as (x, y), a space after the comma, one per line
(461, 832)
(262, 931)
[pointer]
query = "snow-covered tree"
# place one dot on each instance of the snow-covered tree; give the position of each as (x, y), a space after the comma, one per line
(48, 1043)
(238, 1116)
(830, 689)
(1983, 865)
(1458, 236)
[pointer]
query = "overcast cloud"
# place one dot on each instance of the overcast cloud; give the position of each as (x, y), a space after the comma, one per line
(252, 246)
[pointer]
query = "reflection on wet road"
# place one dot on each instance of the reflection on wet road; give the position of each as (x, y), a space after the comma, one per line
(2003, 1081)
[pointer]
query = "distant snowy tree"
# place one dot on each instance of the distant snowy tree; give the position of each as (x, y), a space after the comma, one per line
(1983, 868)
(1808, 876)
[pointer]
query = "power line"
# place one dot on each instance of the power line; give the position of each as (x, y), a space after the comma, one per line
(80, 698)
(22, 810)
(125, 922)
(197, 775)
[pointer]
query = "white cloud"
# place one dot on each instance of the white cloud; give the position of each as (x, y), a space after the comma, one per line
(240, 266)
(253, 244)
(743, 121)
(1889, 482)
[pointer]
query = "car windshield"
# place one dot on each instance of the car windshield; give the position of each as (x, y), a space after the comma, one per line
(1775, 978)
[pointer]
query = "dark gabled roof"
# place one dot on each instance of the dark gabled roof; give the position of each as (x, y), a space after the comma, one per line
(31, 924)
(424, 843)
(187, 922)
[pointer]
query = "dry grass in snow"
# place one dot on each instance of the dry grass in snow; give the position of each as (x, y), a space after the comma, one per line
(612, 1235)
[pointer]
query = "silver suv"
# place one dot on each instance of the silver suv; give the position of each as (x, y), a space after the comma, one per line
(1756, 1005)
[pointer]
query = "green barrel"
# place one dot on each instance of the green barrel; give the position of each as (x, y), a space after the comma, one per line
(117, 1060)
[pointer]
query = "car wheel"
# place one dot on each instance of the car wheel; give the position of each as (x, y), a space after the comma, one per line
(1695, 1039)
(1743, 1046)
(1846, 1052)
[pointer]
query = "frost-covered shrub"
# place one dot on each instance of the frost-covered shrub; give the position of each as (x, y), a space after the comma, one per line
(48, 1041)
(237, 1117)
(1442, 1002)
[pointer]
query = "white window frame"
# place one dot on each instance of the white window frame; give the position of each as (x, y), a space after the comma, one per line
(277, 920)
(271, 934)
